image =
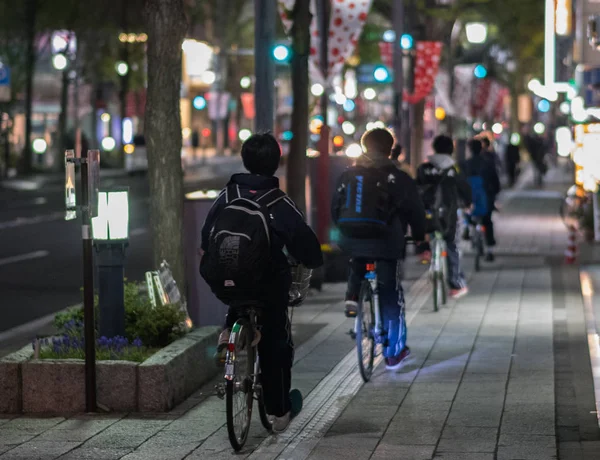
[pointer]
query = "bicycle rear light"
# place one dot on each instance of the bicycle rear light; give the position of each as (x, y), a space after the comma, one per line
(370, 267)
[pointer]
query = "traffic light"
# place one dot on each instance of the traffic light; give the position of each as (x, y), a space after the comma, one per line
(282, 53)
(480, 71)
(406, 42)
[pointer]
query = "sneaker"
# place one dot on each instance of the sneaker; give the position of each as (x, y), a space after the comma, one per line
(221, 352)
(489, 257)
(280, 424)
(395, 362)
(458, 293)
(351, 309)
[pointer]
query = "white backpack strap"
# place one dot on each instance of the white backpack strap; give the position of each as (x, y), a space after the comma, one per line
(271, 197)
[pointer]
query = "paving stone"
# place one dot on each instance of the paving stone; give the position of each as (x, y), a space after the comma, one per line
(39, 450)
(526, 452)
(464, 456)
(10, 437)
(529, 418)
(335, 441)
(404, 434)
(388, 451)
(93, 453)
(323, 453)
(161, 452)
(431, 392)
(32, 425)
(116, 441)
(468, 439)
(76, 430)
(475, 414)
(518, 439)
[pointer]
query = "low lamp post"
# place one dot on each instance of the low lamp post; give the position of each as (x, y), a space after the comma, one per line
(110, 231)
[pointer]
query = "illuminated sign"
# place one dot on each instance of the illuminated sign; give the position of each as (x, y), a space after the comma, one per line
(563, 20)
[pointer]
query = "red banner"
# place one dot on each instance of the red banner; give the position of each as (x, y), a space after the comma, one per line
(248, 105)
(426, 69)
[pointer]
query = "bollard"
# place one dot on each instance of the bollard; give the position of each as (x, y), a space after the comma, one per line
(571, 252)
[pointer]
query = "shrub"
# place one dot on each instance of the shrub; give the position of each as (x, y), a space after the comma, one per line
(156, 326)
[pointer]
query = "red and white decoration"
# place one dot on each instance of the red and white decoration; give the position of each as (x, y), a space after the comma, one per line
(426, 67)
(346, 23)
(463, 88)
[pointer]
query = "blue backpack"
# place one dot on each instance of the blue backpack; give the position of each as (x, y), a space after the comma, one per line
(480, 199)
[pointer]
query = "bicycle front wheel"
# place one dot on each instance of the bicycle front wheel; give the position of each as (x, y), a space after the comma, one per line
(365, 339)
(239, 392)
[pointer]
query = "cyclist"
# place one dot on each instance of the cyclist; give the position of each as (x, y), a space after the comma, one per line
(386, 200)
(444, 188)
(288, 230)
(485, 186)
(490, 154)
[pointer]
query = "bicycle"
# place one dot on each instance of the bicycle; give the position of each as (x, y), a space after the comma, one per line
(477, 240)
(438, 270)
(242, 380)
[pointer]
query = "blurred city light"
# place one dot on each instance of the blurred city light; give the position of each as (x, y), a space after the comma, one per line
(476, 32)
(534, 85)
(108, 144)
(369, 94)
(127, 131)
(480, 71)
(338, 141)
(564, 141)
(544, 105)
(105, 117)
(208, 77)
(39, 146)
(539, 127)
(515, 138)
(497, 128)
(129, 149)
(406, 41)
(244, 134)
(315, 125)
(59, 43)
(281, 53)
(565, 108)
(389, 36)
(381, 74)
(287, 136)
(349, 105)
(354, 151)
(440, 113)
(317, 89)
(199, 103)
(206, 132)
(122, 68)
(340, 98)
(59, 61)
(245, 82)
(348, 128)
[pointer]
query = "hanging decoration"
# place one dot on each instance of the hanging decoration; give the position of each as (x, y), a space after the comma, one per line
(463, 90)
(426, 68)
(346, 23)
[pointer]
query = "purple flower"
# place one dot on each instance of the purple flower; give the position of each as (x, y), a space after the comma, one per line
(138, 342)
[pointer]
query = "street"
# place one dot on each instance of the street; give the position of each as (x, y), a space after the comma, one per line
(503, 373)
(40, 252)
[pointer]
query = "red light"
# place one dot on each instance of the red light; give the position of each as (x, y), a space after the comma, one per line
(231, 347)
(370, 267)
(340, 119)
(205, 132)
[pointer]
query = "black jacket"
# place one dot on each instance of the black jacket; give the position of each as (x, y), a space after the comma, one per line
(441, 171)
(288, 225)
(409, 211)
(478, 165)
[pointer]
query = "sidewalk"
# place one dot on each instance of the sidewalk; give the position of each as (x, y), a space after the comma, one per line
(504, 373)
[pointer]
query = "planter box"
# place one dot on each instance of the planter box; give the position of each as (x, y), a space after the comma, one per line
(156, 385)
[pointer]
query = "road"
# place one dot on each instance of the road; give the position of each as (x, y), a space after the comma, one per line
(40, 252)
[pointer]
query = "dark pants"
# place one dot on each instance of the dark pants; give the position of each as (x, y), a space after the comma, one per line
(511, 170)
(391, 299)
(487, 222)
(276, 352)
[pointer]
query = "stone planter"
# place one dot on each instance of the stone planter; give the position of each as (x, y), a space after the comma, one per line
(156, 385)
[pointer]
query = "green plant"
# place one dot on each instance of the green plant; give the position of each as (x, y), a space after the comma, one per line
(155, 326)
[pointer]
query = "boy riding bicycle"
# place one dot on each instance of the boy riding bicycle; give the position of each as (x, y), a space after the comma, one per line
(443, 188)
(236, 268)
(373, 204)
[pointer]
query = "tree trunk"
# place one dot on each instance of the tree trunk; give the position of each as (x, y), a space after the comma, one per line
(31, 7)
(296, 165)
(166, 24)
(417, 131)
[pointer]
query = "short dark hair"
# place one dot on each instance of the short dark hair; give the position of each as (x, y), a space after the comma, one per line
(443, 144)
(475, 146)
(378, 140)
(485, 142)
(261, 154)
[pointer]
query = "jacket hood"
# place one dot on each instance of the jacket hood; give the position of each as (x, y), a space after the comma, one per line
(442, 161)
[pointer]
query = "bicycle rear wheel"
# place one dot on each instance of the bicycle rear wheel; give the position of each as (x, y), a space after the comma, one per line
(364, 324)
(444, 276)
(239, 393)
(260, 400)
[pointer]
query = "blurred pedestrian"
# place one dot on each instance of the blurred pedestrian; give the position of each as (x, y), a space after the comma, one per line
(512, 159)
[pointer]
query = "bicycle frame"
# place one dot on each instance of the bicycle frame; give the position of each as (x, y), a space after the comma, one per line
(371, 277)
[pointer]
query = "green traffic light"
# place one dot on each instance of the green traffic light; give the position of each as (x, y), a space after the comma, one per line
(281, 53)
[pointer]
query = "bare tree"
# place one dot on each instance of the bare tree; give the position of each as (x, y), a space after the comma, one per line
(166, 23)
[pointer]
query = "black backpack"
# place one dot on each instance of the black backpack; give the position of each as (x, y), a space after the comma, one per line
(366, 208)
(239, 256)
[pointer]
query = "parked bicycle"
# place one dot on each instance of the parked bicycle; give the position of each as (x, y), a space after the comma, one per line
(242, 380)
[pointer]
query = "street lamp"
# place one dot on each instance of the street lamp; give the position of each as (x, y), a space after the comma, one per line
(122, 68)
(110, 232)
(59, 61)
(476, 32)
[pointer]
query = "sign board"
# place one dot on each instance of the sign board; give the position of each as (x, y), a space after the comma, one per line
(70, 199)
(218, 105)
(4, 83)
(163, 282)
